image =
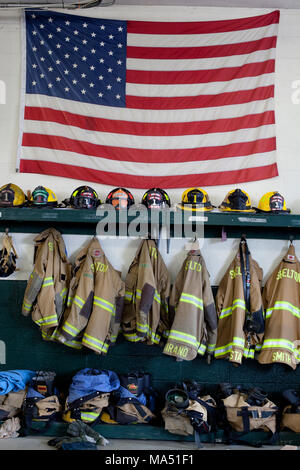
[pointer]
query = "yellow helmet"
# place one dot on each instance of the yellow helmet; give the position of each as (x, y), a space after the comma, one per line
(272, 202)
(42, 196)
(236, 200)
(11, 196)
(195, 200)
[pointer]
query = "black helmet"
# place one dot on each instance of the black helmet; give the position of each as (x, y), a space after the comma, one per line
(177, 398)
(84, 197)
(120, 198)
(156, 198)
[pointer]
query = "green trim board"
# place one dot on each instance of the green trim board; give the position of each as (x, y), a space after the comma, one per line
(180, 223)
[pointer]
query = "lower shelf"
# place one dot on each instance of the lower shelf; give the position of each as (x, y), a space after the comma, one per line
(147, 431)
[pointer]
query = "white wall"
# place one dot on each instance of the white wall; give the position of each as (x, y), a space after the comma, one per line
(216, 252)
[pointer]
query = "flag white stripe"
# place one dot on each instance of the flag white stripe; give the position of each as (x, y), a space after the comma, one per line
(196, 89)
(198, 40)
(142, 169)
(150, 142)
(210, 63)
(145, 115)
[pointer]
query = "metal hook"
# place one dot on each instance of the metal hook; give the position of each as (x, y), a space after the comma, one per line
(291, 238)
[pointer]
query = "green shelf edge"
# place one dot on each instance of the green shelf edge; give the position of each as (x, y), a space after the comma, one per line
(76, 221)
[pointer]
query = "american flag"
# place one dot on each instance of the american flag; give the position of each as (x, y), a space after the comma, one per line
(149, 104)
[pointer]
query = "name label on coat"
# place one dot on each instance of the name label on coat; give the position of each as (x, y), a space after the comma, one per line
(289, 273)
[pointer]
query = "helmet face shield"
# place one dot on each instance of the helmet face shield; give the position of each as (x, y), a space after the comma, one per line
(195, 200)
(84, 197)
(120, 198)
(7, 197)
(238, 200)
(40, 195)
(156, 198)
(85, 201)
(276, 202)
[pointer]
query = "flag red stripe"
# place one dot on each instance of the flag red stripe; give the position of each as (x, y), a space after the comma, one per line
(200, 101)
(204, 27)
(149, 155)
(132, 181)
(203, 52)
(200, 76)
(149, 128)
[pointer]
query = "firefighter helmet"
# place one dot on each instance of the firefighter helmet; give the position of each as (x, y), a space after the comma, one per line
(177, 398)
(84, 197)
(120, 198)
(12, 195)
(156, 198)
(195, 200)
(272, 202)
(42, 196)
(236, 200)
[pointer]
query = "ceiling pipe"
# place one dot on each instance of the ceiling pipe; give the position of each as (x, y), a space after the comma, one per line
(62, 4)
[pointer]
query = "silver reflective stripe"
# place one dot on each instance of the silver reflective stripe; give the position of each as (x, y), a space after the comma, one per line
(237, 303)
(281, 305)
(191, 299)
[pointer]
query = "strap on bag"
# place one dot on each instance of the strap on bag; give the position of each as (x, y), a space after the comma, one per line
(246, 285)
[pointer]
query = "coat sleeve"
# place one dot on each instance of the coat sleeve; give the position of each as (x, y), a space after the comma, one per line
(119, 307)
(145, 292)
(36, 279)
(165, 322)
(80, 306)
(210, 314)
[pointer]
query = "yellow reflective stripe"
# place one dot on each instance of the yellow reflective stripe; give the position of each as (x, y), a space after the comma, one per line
(89, 416)
(146, 329)
(184, 337)
(78, 301)
(225, 312)
(51, 319)
(48, 281)
(97, 343)
(237, 342)
(102, 303)
(157, 297)
(27, 306)
(132, 337)
(63, 292)
(191, 299)
(211, 347)
(201, 349)
(70, 329)
(249, 353)
(282, 305)
(128, 295)
(281, 343)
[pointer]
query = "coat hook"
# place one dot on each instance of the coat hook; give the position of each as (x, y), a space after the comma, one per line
(291, 238)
